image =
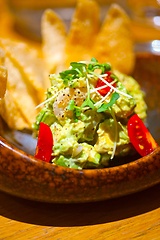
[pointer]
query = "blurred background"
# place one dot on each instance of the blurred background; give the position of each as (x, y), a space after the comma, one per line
(22, 18)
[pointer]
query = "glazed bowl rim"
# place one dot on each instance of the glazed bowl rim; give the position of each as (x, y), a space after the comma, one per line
(50, 166)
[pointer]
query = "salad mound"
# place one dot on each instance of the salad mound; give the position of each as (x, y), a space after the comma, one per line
(87, 109)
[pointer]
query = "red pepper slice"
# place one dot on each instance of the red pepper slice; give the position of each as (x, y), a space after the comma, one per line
(100, 83)
(45, 143)
(140, 137)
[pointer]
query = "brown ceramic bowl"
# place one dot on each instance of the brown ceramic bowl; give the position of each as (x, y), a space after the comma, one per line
(24, 176)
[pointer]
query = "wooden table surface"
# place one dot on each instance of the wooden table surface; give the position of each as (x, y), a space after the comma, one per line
(135, 216)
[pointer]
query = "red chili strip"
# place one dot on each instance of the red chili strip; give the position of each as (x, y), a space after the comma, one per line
(45, 143)
(140, 137)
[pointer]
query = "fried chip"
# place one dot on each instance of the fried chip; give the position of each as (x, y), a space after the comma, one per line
(3, 81)
(114, 42)
(54, 39)
(22, 92)
(83, 30)
(1, 124)
(3, 74)
(29, 64)
(2, 56)
(11, 114)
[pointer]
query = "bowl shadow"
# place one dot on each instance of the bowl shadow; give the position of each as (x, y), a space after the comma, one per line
(82, 214)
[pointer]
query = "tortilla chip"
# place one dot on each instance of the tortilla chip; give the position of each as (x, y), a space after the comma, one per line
(2, 56)
(84, 28)
(11, 114)
(3, 81)
(22, 92)
(54, 40)
(114, 42)
(1, 125)
(29, 64)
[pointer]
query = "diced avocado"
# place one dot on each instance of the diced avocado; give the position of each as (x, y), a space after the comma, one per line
(66, 137)
(93, 156)
(88, 157)
(67, 162)
(46, 117)
(106, 137)
(105, 157)
(132, 86)
(56, 82)
(124, 106)
(91, 120)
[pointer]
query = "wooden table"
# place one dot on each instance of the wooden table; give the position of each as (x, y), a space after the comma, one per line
(136, 216)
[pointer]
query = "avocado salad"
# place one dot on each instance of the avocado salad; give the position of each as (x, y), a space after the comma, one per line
(87, 109)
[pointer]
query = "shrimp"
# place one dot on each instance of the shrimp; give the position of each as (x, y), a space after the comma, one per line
(62, 101)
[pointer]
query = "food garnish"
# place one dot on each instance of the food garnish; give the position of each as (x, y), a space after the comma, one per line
(140, 137)
(105, 106)
(109, 78)
(45, 143)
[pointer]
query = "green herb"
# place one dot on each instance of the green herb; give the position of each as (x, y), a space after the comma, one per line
(78, 66)
(88, 103)
(77, 71)
(69, 75)
(104, 66)
(114, 77)
(76, 110)
(105, 106)
(94, 59)
(71, 105)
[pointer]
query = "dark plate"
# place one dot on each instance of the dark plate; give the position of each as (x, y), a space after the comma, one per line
(24, 176)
